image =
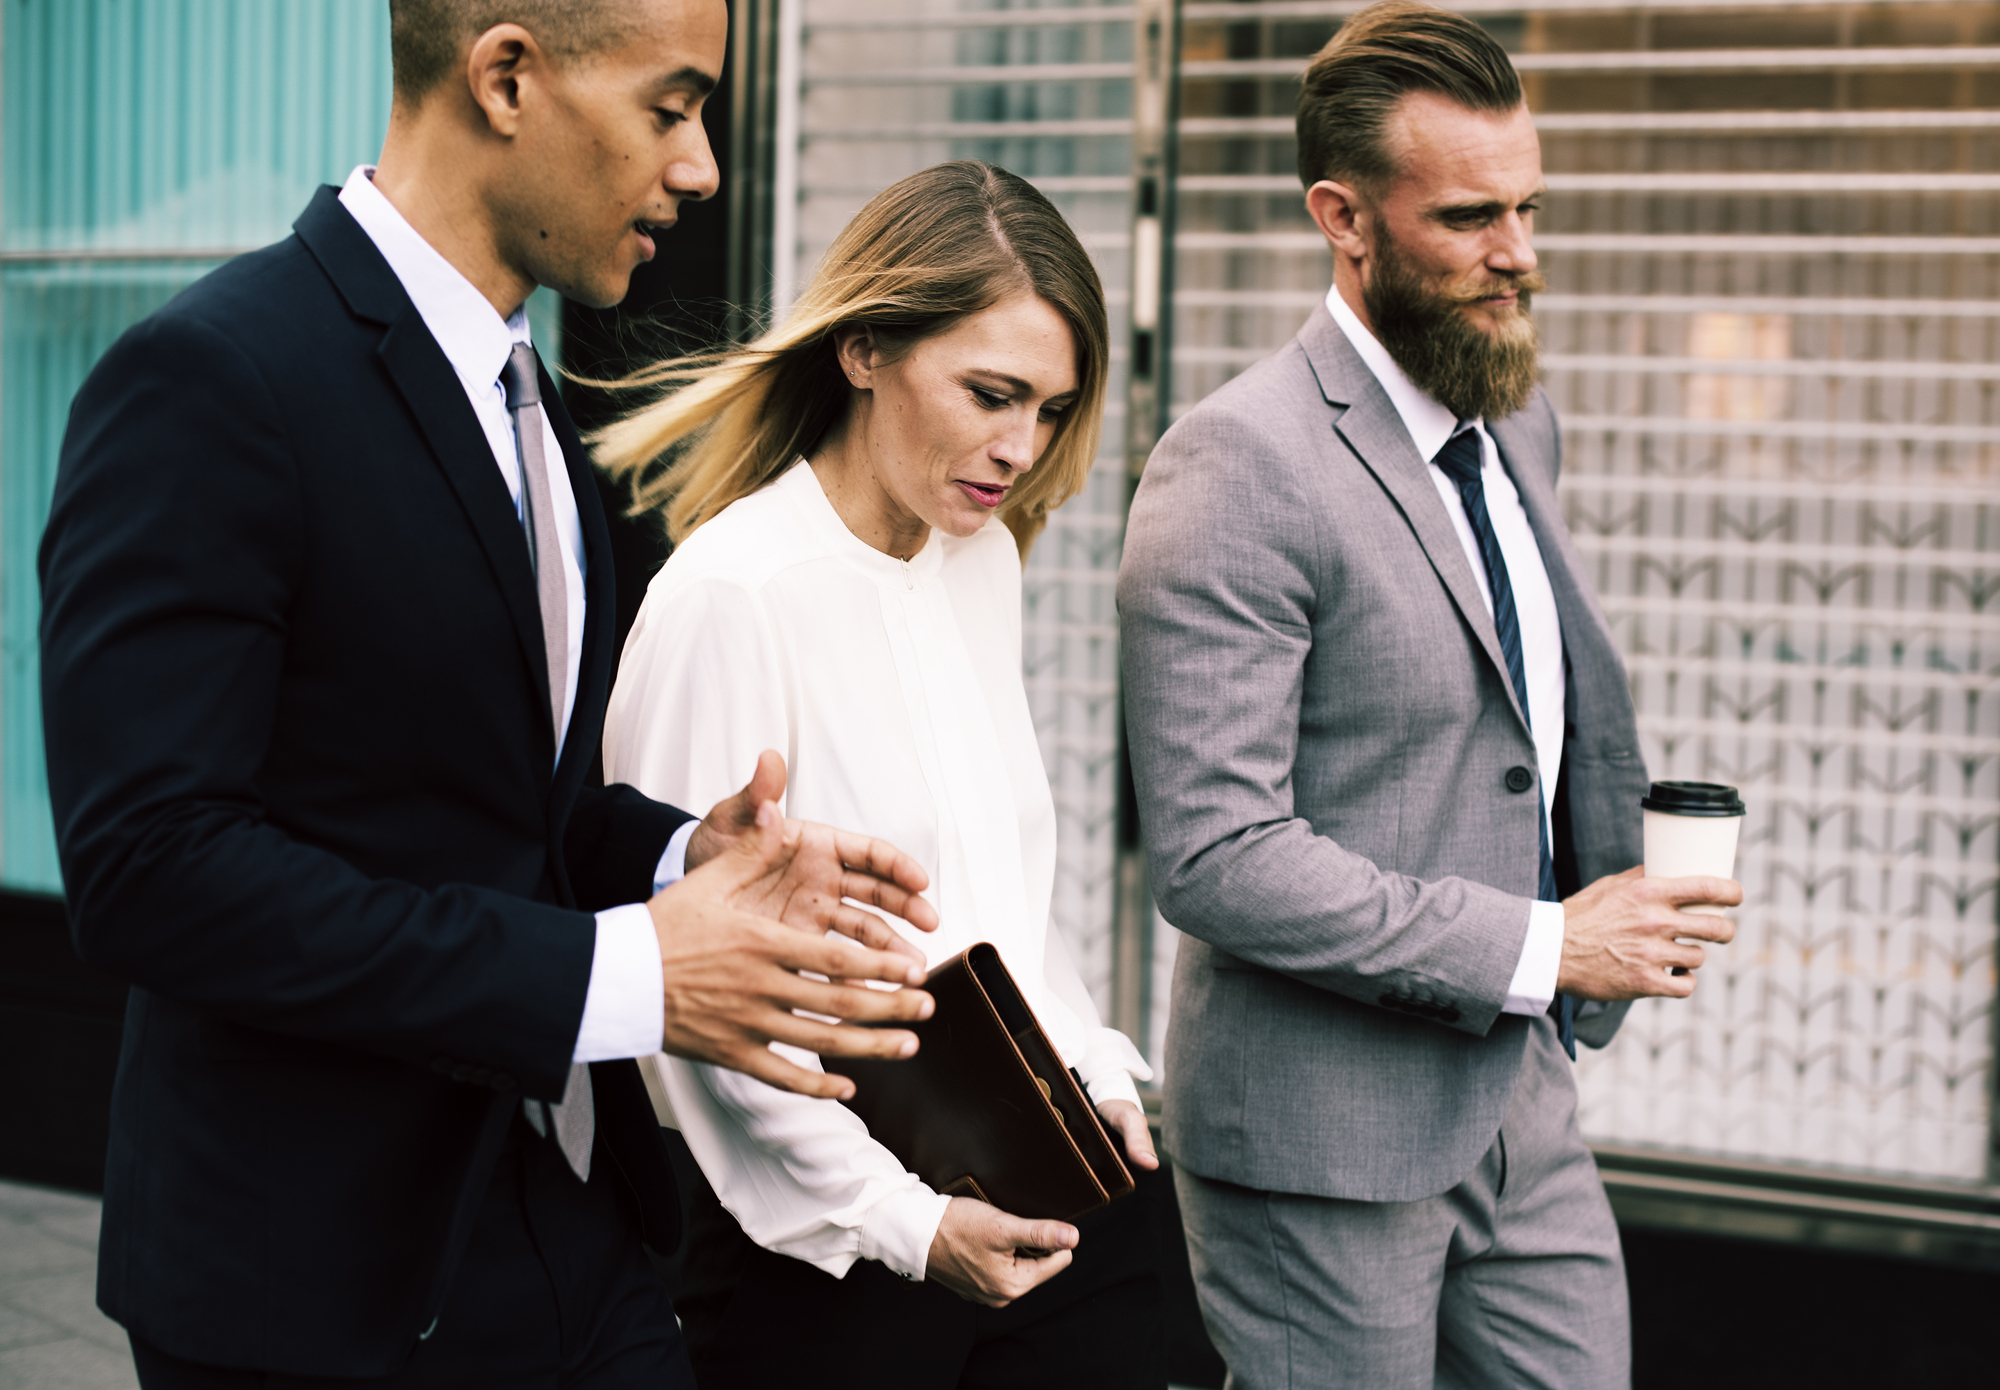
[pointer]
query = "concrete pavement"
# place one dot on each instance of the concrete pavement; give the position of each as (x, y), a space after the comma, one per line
(51, 1335)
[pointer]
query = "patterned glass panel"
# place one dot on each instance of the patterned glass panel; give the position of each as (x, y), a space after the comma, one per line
(1771, 331)
(141, 142)
(1045, 91)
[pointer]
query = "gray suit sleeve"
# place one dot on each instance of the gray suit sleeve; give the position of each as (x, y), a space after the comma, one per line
(1226, 564)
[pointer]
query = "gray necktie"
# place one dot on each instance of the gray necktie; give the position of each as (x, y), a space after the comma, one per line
(574, 1116)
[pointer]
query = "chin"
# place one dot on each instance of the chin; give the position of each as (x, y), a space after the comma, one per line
(962, 524)
(607, 293)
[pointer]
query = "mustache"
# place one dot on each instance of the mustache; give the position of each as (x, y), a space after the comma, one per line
(1528, 282)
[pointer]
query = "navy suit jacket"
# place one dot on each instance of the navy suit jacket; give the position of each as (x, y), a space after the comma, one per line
(308, 804)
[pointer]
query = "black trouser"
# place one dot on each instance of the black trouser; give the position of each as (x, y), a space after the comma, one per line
(554, 1290)
(1095, 1326)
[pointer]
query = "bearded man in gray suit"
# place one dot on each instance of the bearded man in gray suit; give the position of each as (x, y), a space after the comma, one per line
(1389, 779)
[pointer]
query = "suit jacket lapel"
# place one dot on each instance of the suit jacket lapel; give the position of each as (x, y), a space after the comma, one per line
(1370, 426)
(436, 398)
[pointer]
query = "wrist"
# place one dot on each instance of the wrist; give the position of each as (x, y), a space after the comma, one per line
(702, 846)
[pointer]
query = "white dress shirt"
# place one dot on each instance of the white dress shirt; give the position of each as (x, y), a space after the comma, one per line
(894, 690)
(1431, 425)
(623, 1010)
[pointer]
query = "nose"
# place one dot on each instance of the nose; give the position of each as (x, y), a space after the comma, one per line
(692, 173)
(1017, 447)
(1513, 250)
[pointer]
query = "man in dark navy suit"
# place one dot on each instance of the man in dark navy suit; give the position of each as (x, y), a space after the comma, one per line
(327, 636)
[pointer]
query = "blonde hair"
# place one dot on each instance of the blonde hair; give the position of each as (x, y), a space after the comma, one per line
(927, 251)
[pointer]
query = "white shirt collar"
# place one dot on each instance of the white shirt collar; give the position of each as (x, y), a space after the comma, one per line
(1429, 423)
(475, 339)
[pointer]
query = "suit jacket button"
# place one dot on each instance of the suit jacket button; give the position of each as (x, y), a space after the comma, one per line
(1519, 779)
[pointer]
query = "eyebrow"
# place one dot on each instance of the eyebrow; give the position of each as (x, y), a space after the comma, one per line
(1487, 209)
(689, 78)
(1027, 388)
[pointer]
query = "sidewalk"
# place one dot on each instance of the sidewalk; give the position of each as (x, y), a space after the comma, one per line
(51, 1335)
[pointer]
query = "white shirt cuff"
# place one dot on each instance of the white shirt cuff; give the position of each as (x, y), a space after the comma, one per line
(899, 1229)
(1533, 987)
(1111, 1066)
(625, 1008)
(674, 861)
(1113, 1085)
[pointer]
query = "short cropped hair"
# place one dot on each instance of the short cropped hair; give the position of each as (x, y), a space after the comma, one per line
(1379, 57)
(427, 38)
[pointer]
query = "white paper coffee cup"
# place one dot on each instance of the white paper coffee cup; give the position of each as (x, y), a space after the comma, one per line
(1691, 829)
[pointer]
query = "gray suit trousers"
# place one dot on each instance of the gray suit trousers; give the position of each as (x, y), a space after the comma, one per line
(1514, 1277)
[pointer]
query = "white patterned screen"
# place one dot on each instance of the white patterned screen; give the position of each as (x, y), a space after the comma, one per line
(891, 88)
(1771, 330)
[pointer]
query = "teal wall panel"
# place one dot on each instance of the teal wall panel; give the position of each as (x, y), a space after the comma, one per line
(157, 128)
(159, 124)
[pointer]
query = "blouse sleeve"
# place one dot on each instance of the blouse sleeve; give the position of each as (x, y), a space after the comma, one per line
(703, 689)
(1106, 1059)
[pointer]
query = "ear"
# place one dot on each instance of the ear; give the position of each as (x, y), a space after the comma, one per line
(1341, 215)
(494, 67)
(854, 349)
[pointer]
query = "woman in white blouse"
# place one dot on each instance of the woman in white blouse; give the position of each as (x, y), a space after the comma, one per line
(851, 498)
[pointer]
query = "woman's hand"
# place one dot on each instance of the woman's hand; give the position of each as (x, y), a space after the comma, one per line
(986, 1256)
(1128, 1122)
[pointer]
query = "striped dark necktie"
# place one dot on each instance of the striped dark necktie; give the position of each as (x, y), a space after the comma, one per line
(1461, 458)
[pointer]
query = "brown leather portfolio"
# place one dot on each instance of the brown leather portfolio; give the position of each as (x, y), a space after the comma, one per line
(986, 1108)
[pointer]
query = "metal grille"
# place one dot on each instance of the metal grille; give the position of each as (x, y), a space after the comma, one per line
(1772, 248)
(1045, 92)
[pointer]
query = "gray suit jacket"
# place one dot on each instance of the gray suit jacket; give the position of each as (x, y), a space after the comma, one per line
(1321, 728)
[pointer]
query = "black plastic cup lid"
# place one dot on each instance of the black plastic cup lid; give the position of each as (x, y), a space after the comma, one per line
(1693, 799)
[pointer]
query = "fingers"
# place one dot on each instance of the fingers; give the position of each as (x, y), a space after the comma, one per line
(842, 1039)
(837, 958)
(1038, 1268)
(1128, 1121)
(880, 859)
(871, 931)
(768, 1067)
(1724, 892)
(767, 783)
(749, 844)
(1671, 986)
(892, 898)
(1681, 956)
(1703, 927)
(1016, 1233)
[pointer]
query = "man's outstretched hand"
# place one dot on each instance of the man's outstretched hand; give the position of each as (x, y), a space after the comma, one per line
(1625, 936)
(732, 980)
(821, 867)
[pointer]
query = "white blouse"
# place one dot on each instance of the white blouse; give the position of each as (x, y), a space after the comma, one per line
(893, 690)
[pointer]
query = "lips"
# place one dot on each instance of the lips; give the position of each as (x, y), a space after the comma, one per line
(649, 236)
(985, 494)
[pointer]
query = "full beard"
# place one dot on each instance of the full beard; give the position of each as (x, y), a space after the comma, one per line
(1472, 371)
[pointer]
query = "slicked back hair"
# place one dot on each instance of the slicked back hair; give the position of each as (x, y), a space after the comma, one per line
(428, 38)
(1380, 56)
